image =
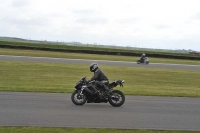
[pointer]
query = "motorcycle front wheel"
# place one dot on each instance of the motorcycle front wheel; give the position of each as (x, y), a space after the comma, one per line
(138, 62)
(117, 98)
(78, 99)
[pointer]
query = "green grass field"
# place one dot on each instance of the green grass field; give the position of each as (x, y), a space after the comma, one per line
(78, 130)
(59, 78)
(38, 53)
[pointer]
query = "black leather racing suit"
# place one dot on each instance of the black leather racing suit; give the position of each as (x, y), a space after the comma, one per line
(142, 58)
(99, 75)
(100, 78)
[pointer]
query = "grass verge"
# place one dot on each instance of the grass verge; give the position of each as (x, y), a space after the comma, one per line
(38, 53)
(77, 130)
(59, 78)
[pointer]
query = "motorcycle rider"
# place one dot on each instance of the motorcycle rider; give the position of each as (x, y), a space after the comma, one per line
(142, 58)
(99, 77)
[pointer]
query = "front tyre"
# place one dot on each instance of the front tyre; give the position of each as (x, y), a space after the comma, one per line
(117, 98)
(138, 62)
(78, 99)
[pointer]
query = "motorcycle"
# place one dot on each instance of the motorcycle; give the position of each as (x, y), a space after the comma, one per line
(85, 93)
(145, 61)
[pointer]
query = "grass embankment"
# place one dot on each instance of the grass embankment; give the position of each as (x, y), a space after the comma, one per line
(83, 47)
(49, 77)
(91, 56)
(93, 49)
(77, 130)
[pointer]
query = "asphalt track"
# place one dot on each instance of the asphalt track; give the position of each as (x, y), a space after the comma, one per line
(100, 62)
(138, 112)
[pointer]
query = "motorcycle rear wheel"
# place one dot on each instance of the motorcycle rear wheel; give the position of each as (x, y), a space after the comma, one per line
(117, 98)
(78, 99)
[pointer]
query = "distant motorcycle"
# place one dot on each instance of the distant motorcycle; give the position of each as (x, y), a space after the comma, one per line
(145, 61)
(85, 93)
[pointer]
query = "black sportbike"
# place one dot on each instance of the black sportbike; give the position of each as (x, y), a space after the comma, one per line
(85, 93)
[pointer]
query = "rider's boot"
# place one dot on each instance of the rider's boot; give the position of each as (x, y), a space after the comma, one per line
(108, 91)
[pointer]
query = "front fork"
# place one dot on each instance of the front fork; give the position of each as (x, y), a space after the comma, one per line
(80, 92)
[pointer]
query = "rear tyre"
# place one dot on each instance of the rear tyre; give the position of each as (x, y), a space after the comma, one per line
(78, 99)
(117, 98)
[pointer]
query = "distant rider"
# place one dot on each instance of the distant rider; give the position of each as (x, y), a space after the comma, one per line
(99, 77)
(142, 58)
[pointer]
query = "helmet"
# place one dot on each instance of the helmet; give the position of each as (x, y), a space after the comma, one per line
(93, 67)
(143, 54)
